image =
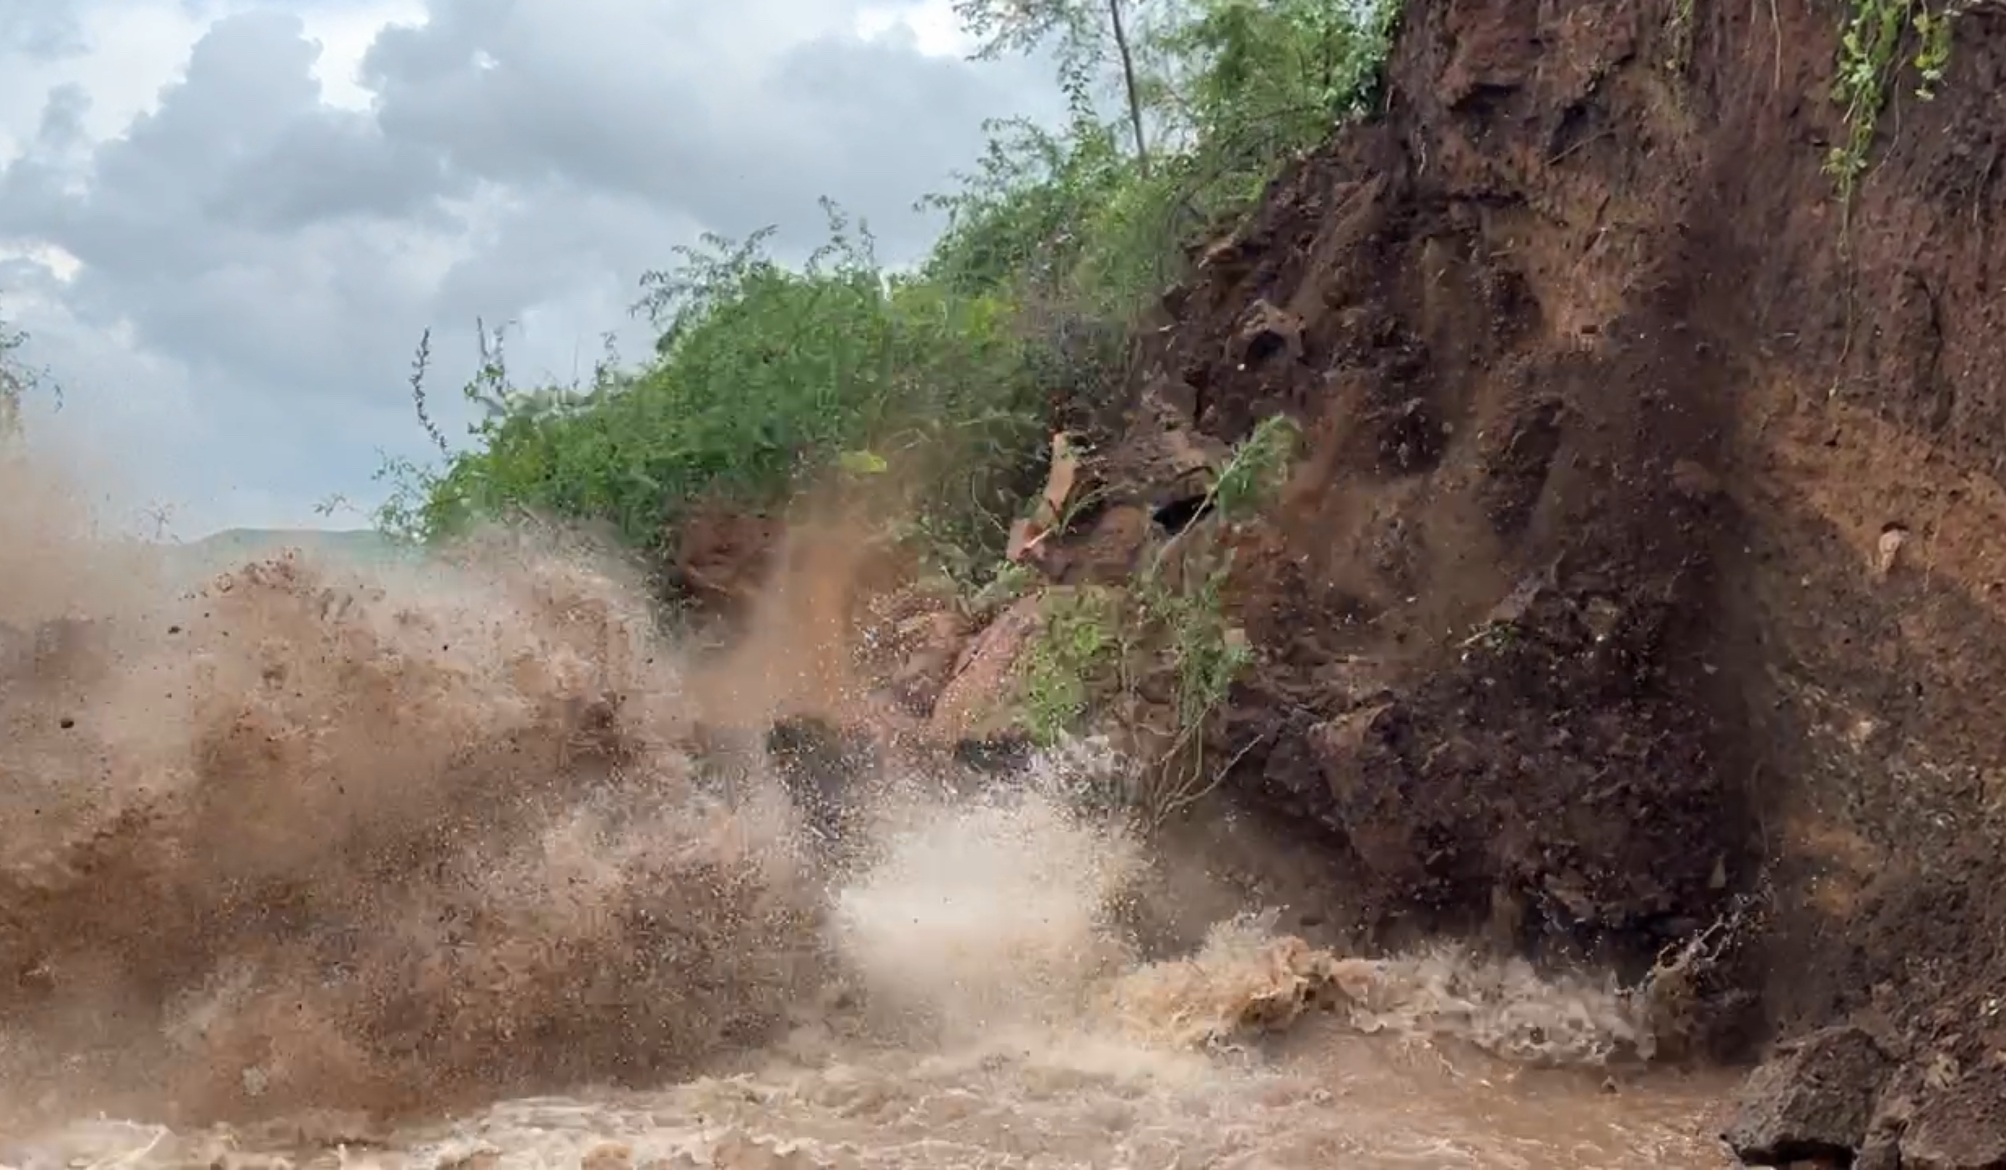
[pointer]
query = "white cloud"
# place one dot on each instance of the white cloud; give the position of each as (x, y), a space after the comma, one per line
(930, 23)
(53, 259)
(345, 34)
(134, 50)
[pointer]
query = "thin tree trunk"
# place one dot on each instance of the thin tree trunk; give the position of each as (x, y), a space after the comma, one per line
(1128, 79)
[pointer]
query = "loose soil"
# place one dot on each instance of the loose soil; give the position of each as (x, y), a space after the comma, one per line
(1648, 557)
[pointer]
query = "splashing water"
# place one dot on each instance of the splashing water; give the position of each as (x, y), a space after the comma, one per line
(344, 868)
(988, 914)
(304, 839)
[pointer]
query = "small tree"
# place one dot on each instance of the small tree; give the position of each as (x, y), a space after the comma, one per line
(1084, 30)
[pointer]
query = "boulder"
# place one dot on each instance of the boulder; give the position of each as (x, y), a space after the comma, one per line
(1359, 754)
(1812, 1100)
(975, 701)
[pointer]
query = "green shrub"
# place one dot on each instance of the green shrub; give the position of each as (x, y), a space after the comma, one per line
(1061, 666)
(1874, 40)
(761, 373)
(1171, 623)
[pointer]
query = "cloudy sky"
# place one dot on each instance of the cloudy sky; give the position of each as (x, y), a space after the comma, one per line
(226, 224)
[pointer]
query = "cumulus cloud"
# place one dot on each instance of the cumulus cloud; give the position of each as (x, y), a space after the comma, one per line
(226, 244)
(40, 33)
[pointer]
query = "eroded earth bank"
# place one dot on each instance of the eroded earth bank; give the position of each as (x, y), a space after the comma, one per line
(1646, 569)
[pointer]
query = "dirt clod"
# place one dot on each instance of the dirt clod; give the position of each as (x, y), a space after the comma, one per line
(1813, 1099)
(1963, 1129)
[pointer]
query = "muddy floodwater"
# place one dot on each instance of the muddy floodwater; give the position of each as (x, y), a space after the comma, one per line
(318, 869)
(1332, 1100)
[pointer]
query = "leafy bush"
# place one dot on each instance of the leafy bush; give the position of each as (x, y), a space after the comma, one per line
(1169, 625)
(1057, 675)
(761, 373)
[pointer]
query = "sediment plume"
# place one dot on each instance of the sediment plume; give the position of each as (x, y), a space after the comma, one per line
(304, 836)
(312, 837)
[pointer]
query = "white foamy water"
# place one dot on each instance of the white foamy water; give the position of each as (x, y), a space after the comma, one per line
(987, 915)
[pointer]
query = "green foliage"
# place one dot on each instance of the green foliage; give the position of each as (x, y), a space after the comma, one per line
(942, 382)
(1065, 224)
(1061, 665)
(761, 373)
(1079, 32)
(1261, 78)
(1206, 652)
(1007, 583)
(12, 382)
(1257, 467)
(1875, 39)
(1234, 89)
(1174, 622)
(1015, 226)
(1091, 39)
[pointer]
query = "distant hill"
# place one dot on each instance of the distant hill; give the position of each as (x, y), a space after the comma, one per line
(235, 546)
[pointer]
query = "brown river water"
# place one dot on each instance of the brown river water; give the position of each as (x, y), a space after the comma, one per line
(302, 846)
(1348, 1104)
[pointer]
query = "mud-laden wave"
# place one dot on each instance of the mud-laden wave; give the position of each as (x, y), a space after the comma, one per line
(1010, 1027)
(304, 839)
(1008, 1024)
(307, 838)
(1246, 981)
